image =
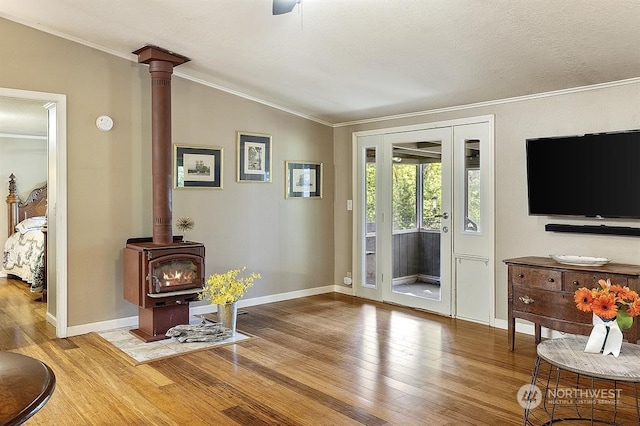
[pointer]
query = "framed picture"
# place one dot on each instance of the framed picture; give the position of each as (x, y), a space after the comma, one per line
(254, 157)
(304, 180)
(197, 167)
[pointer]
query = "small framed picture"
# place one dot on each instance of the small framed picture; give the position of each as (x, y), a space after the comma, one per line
(254, 157)
(197, 167)
(304, 180)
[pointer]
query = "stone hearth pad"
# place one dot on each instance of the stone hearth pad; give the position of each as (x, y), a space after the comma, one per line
(141, 352)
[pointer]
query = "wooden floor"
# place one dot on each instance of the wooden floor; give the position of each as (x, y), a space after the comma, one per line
(323, 360)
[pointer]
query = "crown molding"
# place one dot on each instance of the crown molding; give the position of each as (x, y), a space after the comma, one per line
(561, 92)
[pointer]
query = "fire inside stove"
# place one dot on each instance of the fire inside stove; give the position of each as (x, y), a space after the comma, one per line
(174, 275)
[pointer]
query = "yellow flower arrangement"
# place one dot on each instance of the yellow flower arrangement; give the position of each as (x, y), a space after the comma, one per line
(225, 288)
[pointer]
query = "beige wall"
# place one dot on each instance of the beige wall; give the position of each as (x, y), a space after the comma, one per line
(109, 174)
(517, 233)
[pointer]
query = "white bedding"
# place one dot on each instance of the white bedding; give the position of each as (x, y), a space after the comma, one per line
(24, 257)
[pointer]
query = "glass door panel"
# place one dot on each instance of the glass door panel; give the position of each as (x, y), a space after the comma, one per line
(472, 211)
(416, 205)
(420, 204)
(370, 218)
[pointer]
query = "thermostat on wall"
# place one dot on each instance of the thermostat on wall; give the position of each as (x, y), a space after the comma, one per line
(104, 123)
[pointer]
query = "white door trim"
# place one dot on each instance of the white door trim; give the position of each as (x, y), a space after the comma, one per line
(58, 174)
(425, 126)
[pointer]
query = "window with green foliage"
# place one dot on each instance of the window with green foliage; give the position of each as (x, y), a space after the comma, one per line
(431, 195)
(404, 196)
(408, 193)
(473, 200)
(370, 178)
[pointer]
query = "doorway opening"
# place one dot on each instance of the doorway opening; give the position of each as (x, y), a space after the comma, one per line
(55, 106)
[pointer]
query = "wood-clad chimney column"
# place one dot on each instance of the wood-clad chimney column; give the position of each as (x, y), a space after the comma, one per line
(161, 150)
(161, 63)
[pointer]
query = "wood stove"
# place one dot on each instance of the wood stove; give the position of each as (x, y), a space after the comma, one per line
(162, 274)
(162, 280)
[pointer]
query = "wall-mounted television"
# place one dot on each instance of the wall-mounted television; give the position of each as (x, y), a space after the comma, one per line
(592, 175)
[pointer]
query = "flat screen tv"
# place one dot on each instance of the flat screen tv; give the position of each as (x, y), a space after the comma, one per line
(593, 175)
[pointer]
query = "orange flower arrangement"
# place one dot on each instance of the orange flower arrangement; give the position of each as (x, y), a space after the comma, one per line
(609, 301)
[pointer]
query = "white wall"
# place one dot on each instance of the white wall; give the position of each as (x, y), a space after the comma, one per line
(27, 160)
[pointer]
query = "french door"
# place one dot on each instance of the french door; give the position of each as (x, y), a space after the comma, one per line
(424, 219)
(404, 200)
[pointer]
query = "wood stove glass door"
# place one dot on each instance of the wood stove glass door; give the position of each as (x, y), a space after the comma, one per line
(175, 272)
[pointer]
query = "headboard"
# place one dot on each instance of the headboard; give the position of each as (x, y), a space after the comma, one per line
(34, 205)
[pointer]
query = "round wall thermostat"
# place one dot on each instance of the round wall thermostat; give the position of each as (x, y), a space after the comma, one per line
(104, 123)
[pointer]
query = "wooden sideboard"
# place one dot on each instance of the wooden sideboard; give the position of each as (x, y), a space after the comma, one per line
(541, 290)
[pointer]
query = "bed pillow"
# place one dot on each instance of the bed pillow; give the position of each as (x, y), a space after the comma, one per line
(35, 222)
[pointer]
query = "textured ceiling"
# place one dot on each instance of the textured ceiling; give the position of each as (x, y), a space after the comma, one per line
(339, 61)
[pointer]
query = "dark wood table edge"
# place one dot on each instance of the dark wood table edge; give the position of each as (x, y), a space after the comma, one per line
(27, 412)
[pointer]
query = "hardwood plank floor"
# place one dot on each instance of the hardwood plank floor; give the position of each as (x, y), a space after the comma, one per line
(323, 360)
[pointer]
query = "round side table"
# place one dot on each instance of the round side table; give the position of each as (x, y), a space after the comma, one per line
(571, 386)
(26, 384)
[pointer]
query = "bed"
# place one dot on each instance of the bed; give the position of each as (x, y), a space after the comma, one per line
(24, 254)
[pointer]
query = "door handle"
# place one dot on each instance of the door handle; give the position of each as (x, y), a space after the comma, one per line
(443, 215)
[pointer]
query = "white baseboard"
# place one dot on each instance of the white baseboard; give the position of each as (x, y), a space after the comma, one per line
(500, 323)
(343, 290)
(409, 279)
(521, 327)
(412, 279)
(51, 319)
(527, 327)
(77, 330)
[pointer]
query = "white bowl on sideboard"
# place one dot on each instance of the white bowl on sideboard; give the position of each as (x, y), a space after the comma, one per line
(579, 260)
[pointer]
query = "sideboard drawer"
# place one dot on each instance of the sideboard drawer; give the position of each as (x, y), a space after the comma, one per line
(550, 304)
(547, 279)
(574, 280)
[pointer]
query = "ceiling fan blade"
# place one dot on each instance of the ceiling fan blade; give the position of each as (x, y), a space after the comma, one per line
(284, 6)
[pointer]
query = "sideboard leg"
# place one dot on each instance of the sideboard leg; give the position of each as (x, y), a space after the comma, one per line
(538, 333)
(511, 333)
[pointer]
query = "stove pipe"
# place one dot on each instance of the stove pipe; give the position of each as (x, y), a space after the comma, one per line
(161, 63)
